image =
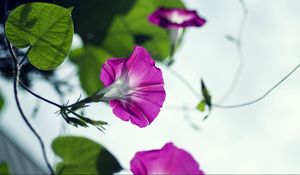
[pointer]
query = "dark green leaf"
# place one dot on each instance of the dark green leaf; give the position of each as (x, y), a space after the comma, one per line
(207, 98)
(46, 28)
(201, 106)
(89, 60)
(83, 156)
(113, 31)
(4, 169)
(205, 94)
(118, 25)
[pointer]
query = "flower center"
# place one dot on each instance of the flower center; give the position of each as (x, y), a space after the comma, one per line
(120, 89)
(176, 17)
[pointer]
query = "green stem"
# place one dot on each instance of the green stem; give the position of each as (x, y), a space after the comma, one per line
(16, 79)
(260, 98)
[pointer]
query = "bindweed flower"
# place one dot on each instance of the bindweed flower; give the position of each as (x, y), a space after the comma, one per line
(134, 87)
(167, 160)
(176, 18)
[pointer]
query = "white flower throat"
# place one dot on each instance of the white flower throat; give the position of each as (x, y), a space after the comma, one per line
(119, 89)
(177, 18)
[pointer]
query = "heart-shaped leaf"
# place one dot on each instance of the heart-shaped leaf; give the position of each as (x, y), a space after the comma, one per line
(46, 28)
(83, 156)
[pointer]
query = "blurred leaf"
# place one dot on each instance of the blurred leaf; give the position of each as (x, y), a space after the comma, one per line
(97, 123)
(1, 101)
(89, 60)
(4, 169)
(231, 38)
(119, 41)
(113, 31)
(201, 106)
(93, 18)
(83, 156)
(76, 122)
(120, 24)
(46, 28)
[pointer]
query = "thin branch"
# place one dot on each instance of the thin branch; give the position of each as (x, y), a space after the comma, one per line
(16, 75)
(260, 98)
(64, 108)
(38, 96)
(179, 108)
(188, 119)
(239, 47)
(175, 38)
(24, 57)
(184, 81)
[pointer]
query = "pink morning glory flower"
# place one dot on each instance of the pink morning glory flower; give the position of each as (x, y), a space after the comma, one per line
(176, 18)
(167, 160)
(134, 87)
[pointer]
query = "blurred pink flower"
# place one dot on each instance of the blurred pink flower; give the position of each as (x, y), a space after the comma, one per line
(167, 160)
(175, 18)
(134, 87)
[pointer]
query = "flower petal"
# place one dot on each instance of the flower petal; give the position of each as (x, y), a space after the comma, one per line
(152, 93)
(139, 62)
(138, 110)
(129, 111)
(178, 161)
(111, 70)
(142, 69)
(119, 110)
(167, 160)
(142, 162)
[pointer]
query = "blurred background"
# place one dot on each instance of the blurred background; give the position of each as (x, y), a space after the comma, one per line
(260, 138)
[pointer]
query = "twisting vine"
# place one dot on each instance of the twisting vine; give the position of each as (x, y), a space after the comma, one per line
(238, 41)
(260, 98)
(16, 73)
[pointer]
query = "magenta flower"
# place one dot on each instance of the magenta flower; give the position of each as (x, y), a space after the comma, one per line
(176, 18)
(134, 87)
(167, 160)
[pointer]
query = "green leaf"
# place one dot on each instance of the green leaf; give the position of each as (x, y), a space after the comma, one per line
(206, 95)
(83, 156)
(46, 28)
(120, 24)
(89, 61)
(1, 101)
(201, 106)
(4, 169)
(207, 99)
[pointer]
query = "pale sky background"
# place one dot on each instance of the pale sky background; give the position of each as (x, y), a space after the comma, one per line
(261, 138)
